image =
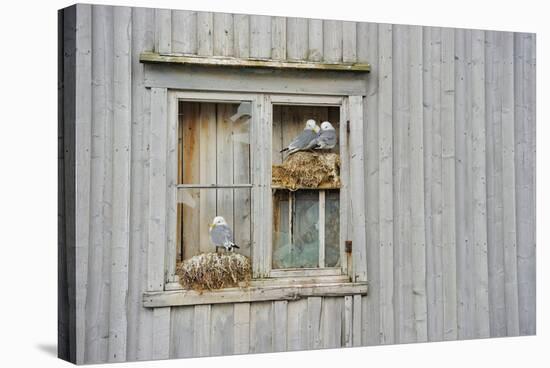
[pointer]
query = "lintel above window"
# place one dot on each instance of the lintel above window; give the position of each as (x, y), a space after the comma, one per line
(151, 57)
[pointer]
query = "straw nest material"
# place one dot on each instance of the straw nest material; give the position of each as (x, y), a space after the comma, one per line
(210, 271)
(308, 170)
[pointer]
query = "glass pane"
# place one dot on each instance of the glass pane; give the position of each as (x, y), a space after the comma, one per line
(289, 121)
(214, 143)
(196, 210)
(332, 228)
(299, 247)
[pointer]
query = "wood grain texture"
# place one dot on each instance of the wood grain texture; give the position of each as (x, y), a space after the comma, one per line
(82, 153)
(448, 175)
(120, 235)
(524, 138)
(138, 340)
(448, 162)
(163, 30)
(385, 199)
(184, 31)
(297, 38)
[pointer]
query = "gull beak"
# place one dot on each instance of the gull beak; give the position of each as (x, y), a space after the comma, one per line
(316, 129)
(211, 226)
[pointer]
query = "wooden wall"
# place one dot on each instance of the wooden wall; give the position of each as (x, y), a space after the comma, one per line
(450, 172)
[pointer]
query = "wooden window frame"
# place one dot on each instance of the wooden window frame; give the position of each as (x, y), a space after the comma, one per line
(163, 288)
(264, 268)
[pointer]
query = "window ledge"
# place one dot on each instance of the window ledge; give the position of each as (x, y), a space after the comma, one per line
(252, 293)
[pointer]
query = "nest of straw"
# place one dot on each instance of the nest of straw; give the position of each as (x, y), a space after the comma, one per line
(211, 271)
(308, 170)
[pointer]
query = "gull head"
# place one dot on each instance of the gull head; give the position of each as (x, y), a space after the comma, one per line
(218, 220)
(326, 126)
(312, 125)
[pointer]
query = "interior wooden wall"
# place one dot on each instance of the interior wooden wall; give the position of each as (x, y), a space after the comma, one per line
(450, 170)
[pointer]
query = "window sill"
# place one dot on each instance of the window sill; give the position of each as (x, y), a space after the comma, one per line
(258, 290)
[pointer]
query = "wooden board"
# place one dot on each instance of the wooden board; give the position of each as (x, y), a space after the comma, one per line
(250, 294)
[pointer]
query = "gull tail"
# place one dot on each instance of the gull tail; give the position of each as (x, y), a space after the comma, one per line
(284, 149)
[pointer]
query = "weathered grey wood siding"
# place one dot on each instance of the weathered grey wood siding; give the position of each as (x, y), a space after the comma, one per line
(449, 170)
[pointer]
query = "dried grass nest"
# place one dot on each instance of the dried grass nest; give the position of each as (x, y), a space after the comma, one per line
(211, 271)
(308, 170)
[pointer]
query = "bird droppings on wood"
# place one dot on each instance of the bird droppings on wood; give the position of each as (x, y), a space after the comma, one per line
(308, 170)
(211, 271)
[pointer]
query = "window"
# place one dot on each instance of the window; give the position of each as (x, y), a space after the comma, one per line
(222, 153)
(213, 173)
(306, 219)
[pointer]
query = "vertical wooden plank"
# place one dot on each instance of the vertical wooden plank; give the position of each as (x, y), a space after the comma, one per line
(508, 173)
(277, 137)
(241, 328)
(278, 38)
(367, 48)
(181, 332)
(297, 38)
(349, 42)
(332, 41)
(190, 119)
(241, 35)
(357, 187)
(479, 184)
(207, 172)
(172, 161)
(385, 199)
(221, 329)
(448, 158)
(495, 231)
(280, 333)
(184, 31)
(157, 208)
(260, 36)
(524, 137)
(346, 231)
(261, 327)
(201, 343)
(65, 68)
(97, 303)
(163, 31)
(241, 174)
(416, 154)
(464, 265)
(404, 308)
(82, 139)
(122, 18)
(331, 322)
(161, 333)
(261, 178)
(224, 161)
(142, 39)
(205, 29)
(357, 323)
(347, 338)
(223, 34)
(297, 327)
(315, 40)
(314, 322)
(433, 180)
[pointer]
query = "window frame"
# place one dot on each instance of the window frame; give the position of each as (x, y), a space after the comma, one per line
(163, 288)
(261, 131)
(313, 100)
